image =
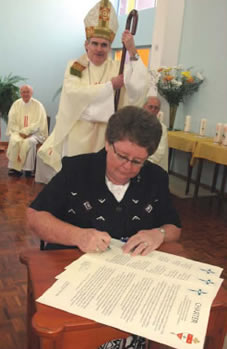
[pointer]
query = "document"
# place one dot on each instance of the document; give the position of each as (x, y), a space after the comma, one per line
(162, 297)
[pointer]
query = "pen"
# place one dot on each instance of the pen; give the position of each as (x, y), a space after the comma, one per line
(108, 247)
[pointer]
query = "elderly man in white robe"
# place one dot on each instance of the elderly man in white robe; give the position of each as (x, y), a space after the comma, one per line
(27, 126)
(160, 156)
(87, 98)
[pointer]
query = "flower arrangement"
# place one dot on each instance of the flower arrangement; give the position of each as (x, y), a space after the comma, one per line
(176, 83)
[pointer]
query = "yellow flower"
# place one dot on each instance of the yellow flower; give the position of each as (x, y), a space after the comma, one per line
(187, 74)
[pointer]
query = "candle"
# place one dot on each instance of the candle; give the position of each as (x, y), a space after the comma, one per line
(224, 139)
(203, 124)
(187, 123)
(219, 132)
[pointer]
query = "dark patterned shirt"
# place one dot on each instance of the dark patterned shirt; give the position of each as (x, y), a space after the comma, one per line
(79, 195)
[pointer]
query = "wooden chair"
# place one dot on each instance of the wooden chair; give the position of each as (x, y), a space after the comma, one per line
(42, 245)
(39, 144)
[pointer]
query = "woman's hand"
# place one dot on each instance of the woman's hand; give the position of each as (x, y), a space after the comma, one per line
(144, 242)
(92, 240)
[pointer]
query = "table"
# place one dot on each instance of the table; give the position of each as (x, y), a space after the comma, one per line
(217, 153)
(187, 142)
(200, 148)
(50, 328)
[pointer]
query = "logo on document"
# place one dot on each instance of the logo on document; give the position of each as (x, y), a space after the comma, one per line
(186, 337)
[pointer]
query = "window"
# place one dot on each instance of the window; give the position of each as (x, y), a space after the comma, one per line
(125, 6)
(143, 52)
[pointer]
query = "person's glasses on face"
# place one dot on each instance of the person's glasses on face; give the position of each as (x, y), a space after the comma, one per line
(123, 159)
(153, 107)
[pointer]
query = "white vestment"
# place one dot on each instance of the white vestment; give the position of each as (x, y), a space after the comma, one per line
(160, 157)
(86, 104)
(29, 119)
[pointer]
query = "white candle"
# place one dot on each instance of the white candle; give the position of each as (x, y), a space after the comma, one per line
(161, 116)
(203, 124)
(187, 123)
(224, 139)
(219, 132)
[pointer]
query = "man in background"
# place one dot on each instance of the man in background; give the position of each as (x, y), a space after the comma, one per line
(27, 126)
(87, 98)
(160, 157)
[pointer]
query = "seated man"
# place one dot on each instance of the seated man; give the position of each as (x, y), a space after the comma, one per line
(27, 126)
(115, 193)
(160, 157)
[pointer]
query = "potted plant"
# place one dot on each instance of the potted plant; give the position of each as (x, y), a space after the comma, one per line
(9, 92)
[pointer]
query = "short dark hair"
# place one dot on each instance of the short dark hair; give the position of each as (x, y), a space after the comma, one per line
(136, 125)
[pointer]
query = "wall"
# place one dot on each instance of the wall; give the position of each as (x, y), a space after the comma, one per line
(144, 30)
(166, 39)
(203, 45)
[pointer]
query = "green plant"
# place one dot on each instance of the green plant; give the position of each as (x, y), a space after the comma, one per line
(9, 92)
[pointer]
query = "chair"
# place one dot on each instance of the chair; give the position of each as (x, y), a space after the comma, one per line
(48, 123)
(48, 127)
(39, 144)
(42, 245)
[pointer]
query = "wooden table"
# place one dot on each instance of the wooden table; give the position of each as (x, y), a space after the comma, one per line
(50, 328)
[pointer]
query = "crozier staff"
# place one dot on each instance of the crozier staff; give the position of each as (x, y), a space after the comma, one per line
(87, 98)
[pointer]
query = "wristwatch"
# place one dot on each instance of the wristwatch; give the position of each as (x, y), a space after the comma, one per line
(163, 231)
(135, 57)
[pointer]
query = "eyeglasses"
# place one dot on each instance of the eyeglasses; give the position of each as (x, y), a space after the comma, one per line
(124, 158)
(155, 107)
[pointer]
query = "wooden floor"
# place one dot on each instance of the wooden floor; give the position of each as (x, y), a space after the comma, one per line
(204, 234)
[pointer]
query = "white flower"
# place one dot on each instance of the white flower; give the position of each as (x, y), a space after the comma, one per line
(154, 77)
(179, 67)
(199, 76)
(176, 83)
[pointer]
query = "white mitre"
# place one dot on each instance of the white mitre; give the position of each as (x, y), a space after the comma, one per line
(101, 21)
